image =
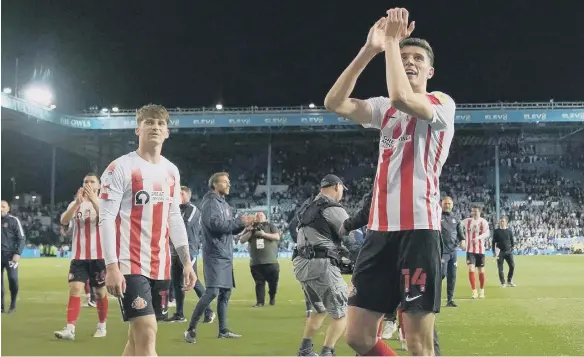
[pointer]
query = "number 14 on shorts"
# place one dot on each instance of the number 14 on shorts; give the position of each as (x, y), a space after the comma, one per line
(414, 277)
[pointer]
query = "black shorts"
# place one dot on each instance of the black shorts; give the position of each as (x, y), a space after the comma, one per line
(143, 297)
(478, 260)
(398, 267)
(92, 270)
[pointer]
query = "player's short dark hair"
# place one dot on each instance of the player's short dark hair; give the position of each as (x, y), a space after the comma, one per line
(152, 111)
(92, 174)
(476, 206)
(186, 189)
(505, 218)
(418, 42)
(215, 178)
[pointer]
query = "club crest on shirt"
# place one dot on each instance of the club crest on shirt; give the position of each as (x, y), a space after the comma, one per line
(5, 225)
(139, 303)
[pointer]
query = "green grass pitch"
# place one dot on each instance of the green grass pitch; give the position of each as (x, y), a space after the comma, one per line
(543, 315)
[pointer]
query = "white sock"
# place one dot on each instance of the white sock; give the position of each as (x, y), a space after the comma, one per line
(101, 325)
(71, 327)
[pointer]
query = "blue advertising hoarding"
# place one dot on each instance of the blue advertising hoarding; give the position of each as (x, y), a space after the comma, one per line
(216, 119)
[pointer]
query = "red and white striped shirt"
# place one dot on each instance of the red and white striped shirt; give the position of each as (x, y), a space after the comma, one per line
(406, 193)
(139, 209)
(87, 243)
(476, 232)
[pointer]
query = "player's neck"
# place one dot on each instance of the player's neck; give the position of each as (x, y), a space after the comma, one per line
(150, 154)
(420, 89)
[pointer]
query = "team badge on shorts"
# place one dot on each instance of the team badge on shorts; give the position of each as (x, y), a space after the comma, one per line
(139, 303)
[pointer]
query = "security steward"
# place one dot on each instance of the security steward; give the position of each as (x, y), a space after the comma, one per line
(263, 238)
(452, 236)
(317, 266)
(12, 245)
(192, 218)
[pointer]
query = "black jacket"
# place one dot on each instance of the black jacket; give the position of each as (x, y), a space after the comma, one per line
(192, 217)
(451, 233)
(361, 218)
(12, 235)
(503, 239)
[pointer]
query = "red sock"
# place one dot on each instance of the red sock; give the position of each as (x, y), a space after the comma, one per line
(102, 306)
(87, 289)
(482, 280)
(471, 278)
(73, 309)
(380, 349)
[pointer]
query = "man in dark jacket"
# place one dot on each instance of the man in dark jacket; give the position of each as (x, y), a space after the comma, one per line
(192, 218)
(12, 246)
(452, 237)
(219, 225)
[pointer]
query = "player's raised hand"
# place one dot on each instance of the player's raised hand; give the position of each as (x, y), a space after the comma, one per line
(398, 25)
(89, 193)
(115, 282)
(376, 37)
(79, 196)
(189, 276)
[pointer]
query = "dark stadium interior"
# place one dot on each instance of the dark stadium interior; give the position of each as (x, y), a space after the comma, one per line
(240, 60)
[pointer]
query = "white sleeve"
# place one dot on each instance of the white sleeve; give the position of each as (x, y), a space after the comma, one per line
(176, 225)
(486, 230)
(444, 109)
(110, 199)
(377, 113)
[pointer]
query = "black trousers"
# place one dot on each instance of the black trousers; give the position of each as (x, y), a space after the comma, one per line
(177, 284)
(506, 257)
(449, 272)
(261, 274)
(12, 273)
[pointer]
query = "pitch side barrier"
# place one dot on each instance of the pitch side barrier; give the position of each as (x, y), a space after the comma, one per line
(185, 118)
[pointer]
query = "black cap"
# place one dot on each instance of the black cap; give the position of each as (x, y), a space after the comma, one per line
(331, 180)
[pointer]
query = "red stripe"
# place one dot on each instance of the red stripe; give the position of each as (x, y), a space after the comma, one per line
(373, 207)
(428, 193)
(87, 226)
(118, 234)
(407, 179)
(98, 240)
(78, 245)
(157, 211)
(136, 224)
(437, 159)
(382, 189)
(468, 242)
(433, 99)
(166, 245)
(391, 111)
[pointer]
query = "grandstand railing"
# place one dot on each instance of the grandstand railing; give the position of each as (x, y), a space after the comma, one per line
(320, 109)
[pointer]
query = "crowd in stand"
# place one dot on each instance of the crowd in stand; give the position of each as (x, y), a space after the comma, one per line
(541, 190)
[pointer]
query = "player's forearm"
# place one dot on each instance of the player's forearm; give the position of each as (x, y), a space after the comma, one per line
(67, 216)
(398, 85)
(245, 237)
(272, 236)
(345, 84)
(107, 232)
(184, 255)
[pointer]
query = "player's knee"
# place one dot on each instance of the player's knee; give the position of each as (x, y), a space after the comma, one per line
(76, 288)
(144, 330)
(101, 293)
(358, 339)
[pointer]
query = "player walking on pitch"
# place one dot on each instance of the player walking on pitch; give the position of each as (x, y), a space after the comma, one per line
(139, 210)
(416, 129)
(476, 232)
(87, 263)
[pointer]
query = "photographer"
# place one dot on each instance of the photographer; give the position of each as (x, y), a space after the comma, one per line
(263, 240)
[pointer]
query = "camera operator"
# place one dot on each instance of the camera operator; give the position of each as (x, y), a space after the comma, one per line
(317, 266)
(263, 238)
